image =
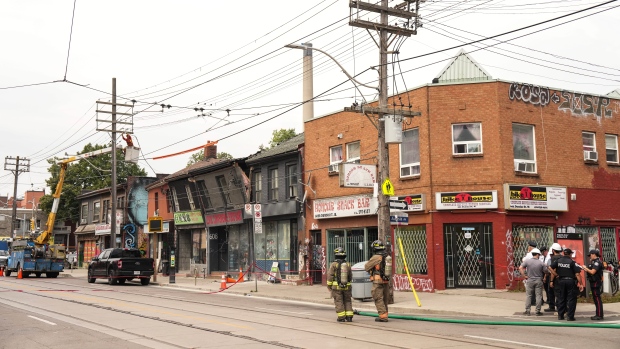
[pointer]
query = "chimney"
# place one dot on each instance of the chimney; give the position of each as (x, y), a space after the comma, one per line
(210, 151)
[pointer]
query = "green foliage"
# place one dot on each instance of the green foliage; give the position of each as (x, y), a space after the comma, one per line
(279, 136)
(199, 156)
(86, 174)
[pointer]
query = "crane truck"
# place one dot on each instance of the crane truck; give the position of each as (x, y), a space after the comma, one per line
(35, 255)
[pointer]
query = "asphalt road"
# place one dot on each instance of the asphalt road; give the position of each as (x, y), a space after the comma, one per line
(130, 315)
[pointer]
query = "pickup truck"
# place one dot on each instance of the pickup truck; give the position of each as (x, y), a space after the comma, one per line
(119, 265)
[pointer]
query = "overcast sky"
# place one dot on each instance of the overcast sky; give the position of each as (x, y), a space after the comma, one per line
(220, 55)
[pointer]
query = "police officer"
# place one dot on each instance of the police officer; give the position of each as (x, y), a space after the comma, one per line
(556, 253)
(379, 267)
(569, 276)
(339, 279)
(595, 277)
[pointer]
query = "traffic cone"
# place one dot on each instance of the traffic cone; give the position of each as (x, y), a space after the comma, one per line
(238, 280)
(223, 283)
(229, 279)
(1, 271)
(19, 274)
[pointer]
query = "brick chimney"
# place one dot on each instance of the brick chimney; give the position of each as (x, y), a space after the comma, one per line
(210, 151)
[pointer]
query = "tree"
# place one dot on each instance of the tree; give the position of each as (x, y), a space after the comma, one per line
(86, 174)
(199, 156)
(279, 136)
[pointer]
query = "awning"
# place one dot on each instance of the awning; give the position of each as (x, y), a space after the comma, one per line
(85, 229)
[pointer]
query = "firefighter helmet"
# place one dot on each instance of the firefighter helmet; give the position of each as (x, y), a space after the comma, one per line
(378, 245)
(340, 253)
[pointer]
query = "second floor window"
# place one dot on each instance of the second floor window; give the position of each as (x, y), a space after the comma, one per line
(84, 214)
(224, 189)
(291, 180)
(190, 198)
(120, 202)
(410, 154)
(106, 211)
(524, 148)
(273, 184)
(157, 203)
(467, 138)
(611, 148)
(175, 199)
(258, 186)
(353, 152)
(96, 211)
(204, 192)
(589, 146)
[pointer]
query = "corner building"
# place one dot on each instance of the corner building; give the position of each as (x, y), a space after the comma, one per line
(488, 166)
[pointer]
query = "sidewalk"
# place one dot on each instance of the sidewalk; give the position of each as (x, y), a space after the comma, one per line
(452, 302)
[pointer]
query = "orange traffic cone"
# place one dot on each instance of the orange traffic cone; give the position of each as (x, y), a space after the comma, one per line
(19, 274)
(223, 283)
(1, 271)
(240, 275)
(229, 279)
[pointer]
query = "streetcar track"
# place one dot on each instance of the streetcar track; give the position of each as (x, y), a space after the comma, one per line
(262, 311)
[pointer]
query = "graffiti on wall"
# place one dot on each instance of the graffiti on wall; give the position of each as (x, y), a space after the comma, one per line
(578, 104)
(510, 256)
(401, 283)
(130, 237)
(318, 256)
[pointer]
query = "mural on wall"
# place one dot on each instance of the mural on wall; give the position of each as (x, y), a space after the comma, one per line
(578, 104)
(138, 199)
(401, 283)
(130, 236)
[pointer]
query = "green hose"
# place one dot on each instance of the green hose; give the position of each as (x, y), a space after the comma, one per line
(480, 322)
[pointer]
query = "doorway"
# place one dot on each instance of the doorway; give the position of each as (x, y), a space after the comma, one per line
(469, 255)
(318, 257)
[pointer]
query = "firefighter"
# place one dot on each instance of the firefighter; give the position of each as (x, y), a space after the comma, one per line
(379, 267)
(339, 283)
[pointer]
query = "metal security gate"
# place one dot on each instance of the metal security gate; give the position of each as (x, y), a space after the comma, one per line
(318, 257)
(356, 243)
(609, 244)
(469, 255)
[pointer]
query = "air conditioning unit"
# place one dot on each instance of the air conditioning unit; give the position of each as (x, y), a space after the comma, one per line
(521, 167)
(333, 168)
(83, 221)
(590, 155)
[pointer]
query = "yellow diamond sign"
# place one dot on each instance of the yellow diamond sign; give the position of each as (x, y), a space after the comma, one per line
(387, 187)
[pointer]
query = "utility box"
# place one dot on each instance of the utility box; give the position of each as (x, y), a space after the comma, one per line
(132, 154)
(606, 282)
(361, 286)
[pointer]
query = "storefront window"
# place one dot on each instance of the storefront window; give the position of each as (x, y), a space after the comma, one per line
(522, 234)
(284, 239)
(274, 244)
(271, 238)
(356, 242)
(199, 253)
(238, 248)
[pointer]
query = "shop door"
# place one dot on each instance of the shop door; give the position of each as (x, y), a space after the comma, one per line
(318, 257)
(469, 255)
(218, 249)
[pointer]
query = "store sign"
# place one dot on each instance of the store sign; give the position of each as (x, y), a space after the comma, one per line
(103, 229)
(467, 200)
(358, 175)
(232, 217)
(359, 205)
(408, 203)
(535, 197)
(188, 217)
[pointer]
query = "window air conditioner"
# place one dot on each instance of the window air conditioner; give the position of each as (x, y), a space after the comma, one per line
(590, 155)
(521, 167)
(333, 168)
(83, 221)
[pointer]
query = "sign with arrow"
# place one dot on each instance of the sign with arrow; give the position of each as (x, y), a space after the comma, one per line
(409, 203)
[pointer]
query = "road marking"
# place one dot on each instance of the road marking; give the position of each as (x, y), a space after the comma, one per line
(167, 296)
(608, 322)
(47, 322)
(513, 342)
(283, 311)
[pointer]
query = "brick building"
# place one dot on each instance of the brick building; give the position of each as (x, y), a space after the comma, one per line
(487, 167)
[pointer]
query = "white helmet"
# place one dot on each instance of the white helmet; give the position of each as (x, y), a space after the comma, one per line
(556, 247)
(535, 251)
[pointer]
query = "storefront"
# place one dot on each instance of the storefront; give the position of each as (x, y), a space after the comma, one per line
(158, 245)
(191, 241)
(229, 241)
(87, 244)
(277, 243)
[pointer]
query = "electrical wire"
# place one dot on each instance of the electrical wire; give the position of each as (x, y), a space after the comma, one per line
(70, 35)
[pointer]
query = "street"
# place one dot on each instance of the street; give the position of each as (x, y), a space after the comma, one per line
(70, 313)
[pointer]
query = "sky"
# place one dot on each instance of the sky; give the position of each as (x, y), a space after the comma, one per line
(229, 59)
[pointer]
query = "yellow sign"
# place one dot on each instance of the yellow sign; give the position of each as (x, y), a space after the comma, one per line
(387, 187)
(155, 224)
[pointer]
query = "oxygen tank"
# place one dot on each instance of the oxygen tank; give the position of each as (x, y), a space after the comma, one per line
(388, 266)
(344, 275)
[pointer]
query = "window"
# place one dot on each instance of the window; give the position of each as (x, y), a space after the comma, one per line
(611, 148)
(291, 180)
(335, 158)
(258, 186)
(120, 202)
(96, 211)
(353, 152)
(206, 199)
(168, 202)
(84, 214)
(157, 203)
(224, 190)
(106, 211)
(524, 148)
(410, 153)
(175, 199)
(467, 138)
(273, 184)
(589, 146)
(414, 246)
(190, 198)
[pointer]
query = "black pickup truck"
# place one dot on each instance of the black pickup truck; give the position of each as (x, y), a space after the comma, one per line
(119, 265)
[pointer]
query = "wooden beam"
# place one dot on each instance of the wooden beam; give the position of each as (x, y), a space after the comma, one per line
(366, 6)
(117, 104)
(388, 28)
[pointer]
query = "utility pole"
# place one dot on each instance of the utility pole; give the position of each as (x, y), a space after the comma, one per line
(16, 165)
(390, 119)
(112, 127)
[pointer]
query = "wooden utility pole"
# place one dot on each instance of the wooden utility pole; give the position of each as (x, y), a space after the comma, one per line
(387, 34)
(13, 164)
(113, 220)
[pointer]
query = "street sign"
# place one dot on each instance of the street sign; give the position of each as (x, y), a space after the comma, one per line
(398, 204)
(387, 187)
(399, 218)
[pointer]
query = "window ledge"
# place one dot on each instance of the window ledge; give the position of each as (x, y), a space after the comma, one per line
(410, 178)
(467, 155)
(613, 164)
(591, 162)
(526, 174)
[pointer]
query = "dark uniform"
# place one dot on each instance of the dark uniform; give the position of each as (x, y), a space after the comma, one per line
(552, 295)
(566, 288)
(596, 283)
(380, 291)
(341, 291)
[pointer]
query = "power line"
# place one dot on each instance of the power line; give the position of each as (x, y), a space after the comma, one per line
(70, 35)
(28, 85)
